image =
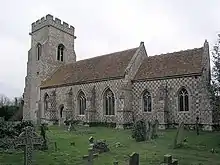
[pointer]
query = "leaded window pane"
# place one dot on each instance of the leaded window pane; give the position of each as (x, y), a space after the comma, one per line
(147, 101)
(109, 102)
(183, 100)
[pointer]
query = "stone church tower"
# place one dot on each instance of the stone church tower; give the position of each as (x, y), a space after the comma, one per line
(50, 39)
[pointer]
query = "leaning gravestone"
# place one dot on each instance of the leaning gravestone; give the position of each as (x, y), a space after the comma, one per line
(134, 159)
(28, 139)
(179, 135)
(155, 129)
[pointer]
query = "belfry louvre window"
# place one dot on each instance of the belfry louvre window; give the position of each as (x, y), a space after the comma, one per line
(60, 52)
(82, 103)
(183, 100)
(147, 101)
(109, 102)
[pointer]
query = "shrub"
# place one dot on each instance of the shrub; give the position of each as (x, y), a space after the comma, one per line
(139, 131)
(10, 129)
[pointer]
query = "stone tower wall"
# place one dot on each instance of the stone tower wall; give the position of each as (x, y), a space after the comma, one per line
(48, 32)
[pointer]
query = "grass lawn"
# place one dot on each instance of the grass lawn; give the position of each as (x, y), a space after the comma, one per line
(196, 152)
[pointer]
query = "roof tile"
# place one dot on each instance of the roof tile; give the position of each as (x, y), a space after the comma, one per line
(98, 68)
(171, 64)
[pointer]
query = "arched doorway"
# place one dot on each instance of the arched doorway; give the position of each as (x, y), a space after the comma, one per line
(61, 110)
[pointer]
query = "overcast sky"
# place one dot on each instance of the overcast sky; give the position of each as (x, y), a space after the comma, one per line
(103, 26)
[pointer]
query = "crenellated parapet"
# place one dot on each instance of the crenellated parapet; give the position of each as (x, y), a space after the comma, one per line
(49, 20)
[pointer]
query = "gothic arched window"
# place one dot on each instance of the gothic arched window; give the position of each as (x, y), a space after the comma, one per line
(109, 102)
(46, 102)
(147, 101)
(82, 103)
(183, 100)
(39, 51)
(60, 52)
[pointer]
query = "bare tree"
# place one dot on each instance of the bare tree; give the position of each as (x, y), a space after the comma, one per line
(4, 100)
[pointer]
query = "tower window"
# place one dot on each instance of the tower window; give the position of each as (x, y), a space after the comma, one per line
(60, 52)
(39, 49)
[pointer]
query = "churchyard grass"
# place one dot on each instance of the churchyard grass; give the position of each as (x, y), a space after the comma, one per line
(196, 151)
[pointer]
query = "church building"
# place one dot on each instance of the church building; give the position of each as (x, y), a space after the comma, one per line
(119, 87)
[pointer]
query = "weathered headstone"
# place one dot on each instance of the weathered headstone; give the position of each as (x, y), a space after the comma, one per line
(179, 135)
(55, 146)
(115, 163)
(146, 129)
(150, 131)
(43, 134)
(134, 159)
(197, 125)
(89, 158)
(155, 129)
(28, 139)
(168, 160)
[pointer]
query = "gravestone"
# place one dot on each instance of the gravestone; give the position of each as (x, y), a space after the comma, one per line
(55, 146)
(146, 129)
(168, 160)
(150, 131)
(115, 163)
(134, 159)
(179, 136)
(89, 158)
(28, 139)
(43, 134)
(155, 129)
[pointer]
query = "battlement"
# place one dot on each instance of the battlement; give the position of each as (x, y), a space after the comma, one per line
(50, 20)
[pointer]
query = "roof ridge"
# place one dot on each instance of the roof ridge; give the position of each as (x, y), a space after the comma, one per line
(180, 51)
(107, 54)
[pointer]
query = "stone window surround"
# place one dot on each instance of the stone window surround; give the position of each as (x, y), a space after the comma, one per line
(104, 100)
(189, 100)
(60, 52)
(79, 95)
(177, 101)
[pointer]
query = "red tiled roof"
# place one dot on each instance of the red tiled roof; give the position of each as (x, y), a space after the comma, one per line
(171, 64)
(108, 66)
